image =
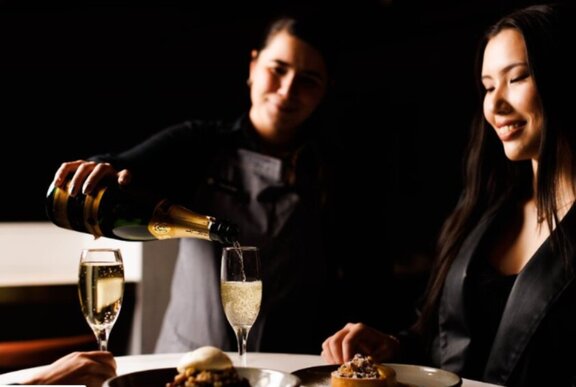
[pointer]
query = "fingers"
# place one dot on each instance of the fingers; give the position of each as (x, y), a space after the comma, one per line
(124, 177)
(85, 368)
(87, 175)
(88, 357)
(90, 364)
(91, 174)
(351, 343)
(64, 170)
(359, 338)
(78, 180)
(333, 348)
(104, 357)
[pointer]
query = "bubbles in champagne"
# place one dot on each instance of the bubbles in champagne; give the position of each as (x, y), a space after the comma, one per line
(241, 302)
(101, 286)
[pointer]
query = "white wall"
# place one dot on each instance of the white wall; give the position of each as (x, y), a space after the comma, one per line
(40, 253)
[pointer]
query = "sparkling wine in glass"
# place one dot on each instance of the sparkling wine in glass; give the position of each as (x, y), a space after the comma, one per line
(241, 291)
(100, 289)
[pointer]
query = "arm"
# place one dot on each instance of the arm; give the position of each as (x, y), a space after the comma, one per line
(84, 368)
(160, 159)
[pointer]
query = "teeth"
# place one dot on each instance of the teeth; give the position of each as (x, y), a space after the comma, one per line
(508, 128)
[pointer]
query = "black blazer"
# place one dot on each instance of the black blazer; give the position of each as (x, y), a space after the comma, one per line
(536, 341)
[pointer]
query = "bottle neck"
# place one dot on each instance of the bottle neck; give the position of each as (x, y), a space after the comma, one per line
(174, 221)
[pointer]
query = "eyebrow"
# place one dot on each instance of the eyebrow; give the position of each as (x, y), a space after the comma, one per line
(310, 73)
(507, 69)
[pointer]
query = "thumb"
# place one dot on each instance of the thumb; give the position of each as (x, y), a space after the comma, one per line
(124, 177)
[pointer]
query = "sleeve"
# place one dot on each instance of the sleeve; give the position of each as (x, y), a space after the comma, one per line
(166, 144)
(167, 160)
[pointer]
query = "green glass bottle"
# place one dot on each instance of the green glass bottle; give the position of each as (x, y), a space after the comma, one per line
(116, 212)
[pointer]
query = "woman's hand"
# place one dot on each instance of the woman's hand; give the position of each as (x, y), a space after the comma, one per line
(84, 368)
(87, 175)
(359, 338)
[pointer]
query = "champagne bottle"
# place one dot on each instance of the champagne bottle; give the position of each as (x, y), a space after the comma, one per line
(126, 214)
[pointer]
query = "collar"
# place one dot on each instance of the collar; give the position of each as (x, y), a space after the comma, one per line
(531, 297)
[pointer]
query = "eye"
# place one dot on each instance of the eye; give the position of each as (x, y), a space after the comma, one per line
(519, 78)
(488, 88)
(279, 70)
(309, 81)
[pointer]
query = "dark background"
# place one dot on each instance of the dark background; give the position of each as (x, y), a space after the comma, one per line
(104, 76)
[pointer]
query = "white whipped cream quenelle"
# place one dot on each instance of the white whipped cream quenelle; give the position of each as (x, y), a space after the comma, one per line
(205, 358)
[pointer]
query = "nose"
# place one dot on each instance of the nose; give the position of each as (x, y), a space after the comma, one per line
(287, 84)
(496, 102)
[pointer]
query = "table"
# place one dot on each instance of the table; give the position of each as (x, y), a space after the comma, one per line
(278, 361)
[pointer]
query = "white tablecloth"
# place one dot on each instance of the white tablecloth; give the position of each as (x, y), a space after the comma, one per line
(278, 361)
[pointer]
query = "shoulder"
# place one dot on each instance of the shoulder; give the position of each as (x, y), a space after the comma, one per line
(193, 131)
(199, 127)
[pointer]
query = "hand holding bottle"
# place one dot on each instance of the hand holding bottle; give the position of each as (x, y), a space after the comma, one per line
(87, 175)
(113, 210)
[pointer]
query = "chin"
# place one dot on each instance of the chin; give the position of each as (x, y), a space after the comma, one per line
(515, 154)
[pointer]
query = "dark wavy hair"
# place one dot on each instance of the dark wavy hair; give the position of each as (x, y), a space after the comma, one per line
(319, 33)
(490, 177)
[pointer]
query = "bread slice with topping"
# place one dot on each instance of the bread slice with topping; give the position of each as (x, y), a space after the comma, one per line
(361, 371)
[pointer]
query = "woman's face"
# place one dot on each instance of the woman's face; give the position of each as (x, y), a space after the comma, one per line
(511, 104)
(288, 81)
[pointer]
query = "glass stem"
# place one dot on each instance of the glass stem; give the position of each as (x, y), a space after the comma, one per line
(242, 337)
(102, 337)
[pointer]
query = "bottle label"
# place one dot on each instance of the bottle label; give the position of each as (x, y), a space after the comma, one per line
(91, 205)
(78, 213)
(60, 207)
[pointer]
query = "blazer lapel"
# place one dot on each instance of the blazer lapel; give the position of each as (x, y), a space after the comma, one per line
(454, 333)
(536, 288)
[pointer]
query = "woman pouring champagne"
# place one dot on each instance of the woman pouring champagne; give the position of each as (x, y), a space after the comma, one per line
(275, 174)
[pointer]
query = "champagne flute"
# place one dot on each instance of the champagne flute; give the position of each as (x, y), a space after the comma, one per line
(241, 291)
(101, 289)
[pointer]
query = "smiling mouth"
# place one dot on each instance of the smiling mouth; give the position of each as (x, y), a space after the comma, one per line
(507, 131)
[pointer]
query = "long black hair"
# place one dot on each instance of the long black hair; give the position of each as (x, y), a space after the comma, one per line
(489, 177)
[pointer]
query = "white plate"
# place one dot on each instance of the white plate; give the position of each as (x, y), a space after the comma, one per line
(412, 375)
(258, 377)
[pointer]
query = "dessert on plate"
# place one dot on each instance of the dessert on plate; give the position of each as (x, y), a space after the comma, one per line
(361, 371)
(207, 367)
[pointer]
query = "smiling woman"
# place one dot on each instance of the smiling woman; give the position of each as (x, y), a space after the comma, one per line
(274, 172)
(502, 288)
(511, 103)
